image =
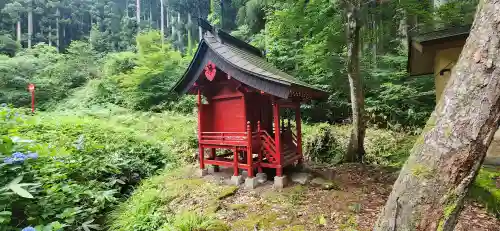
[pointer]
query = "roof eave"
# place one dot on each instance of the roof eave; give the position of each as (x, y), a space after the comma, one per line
(202, 46)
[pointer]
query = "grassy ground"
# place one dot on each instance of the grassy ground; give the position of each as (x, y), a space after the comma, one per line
(179, 199)
(486, 189)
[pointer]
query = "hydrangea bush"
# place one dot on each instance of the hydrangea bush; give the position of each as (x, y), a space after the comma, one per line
(68, 173)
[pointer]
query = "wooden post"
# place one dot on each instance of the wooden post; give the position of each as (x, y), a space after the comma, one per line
(282, 123)
(259, 167)
(299, 132)
(277, 135)
(249, 151)
(200, 146)
(212, 153)
(235, 162)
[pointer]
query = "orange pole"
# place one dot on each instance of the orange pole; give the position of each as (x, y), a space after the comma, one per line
(33, 101)
(249, 151)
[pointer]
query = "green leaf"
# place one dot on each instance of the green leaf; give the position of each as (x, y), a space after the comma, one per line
(321, 220)
(5, 213)
(20, 191)
(16, 180)
(88, 225)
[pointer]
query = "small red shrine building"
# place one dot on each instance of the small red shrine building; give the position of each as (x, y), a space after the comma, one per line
(245, 107)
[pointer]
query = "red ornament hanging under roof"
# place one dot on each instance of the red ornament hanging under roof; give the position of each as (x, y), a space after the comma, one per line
(210, 71)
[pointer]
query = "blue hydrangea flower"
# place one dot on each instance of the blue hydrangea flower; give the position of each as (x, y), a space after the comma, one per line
(29, 228)
(8, 160)
(3, 105)
(18, 157)
(32, 155)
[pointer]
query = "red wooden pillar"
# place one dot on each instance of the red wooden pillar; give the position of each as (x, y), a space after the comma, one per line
(213, 155)
(200, 146)
(249, 150)
(235, 162)
(259, 167)
(299, 132)
(277, 136)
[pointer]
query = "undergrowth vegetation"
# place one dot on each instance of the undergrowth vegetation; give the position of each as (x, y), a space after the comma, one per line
(326, 144)
(172, 201)
(86, 163)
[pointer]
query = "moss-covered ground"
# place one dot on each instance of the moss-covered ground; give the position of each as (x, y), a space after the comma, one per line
(180, 200)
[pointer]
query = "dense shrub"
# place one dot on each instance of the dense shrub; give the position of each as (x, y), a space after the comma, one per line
(143, 80)
(326, 143)
(88, 162)
(8, 46)
(485, 189)
(54, 74)
(165, 202)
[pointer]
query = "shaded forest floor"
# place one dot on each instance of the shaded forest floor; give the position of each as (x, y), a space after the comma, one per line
(357, 195)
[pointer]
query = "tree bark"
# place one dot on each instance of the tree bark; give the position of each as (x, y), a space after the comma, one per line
(151, 13)
(58, 29)
(168, 19)
(30, 24)
(18, 30)
(172, 21)
(429, 193)
(179, 32)
(162, 22)
(138, 14)
(189, 34)
(50, 35)
(355, 151)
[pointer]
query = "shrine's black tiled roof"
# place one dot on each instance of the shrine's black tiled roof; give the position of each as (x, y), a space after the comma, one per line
(243, 62)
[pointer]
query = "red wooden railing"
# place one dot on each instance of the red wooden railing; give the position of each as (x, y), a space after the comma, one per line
(268, 147)
(224, 138)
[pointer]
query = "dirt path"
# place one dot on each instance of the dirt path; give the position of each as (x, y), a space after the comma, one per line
(361, 193)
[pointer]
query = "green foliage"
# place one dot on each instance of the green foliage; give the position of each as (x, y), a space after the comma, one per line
(165, 202)
(394, 100)
(88, 162)
(53, 74)
(486, 191)
(143, 81)
(326, 143)
(321, 144)
(8, 46)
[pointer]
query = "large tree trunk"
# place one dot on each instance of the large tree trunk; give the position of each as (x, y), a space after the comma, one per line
(58, 29)
(429, 193)
(168, 20)
(162, 22)
(30, 24)
(50, 35)
(151, 13)
(18, 31)
(179, 32)
(172, 22)
(138, 14)
(200, 30)
(355, 151)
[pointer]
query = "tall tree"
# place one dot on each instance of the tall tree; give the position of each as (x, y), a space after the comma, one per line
(30, 22)
(15, 10)
(162, 21)
(138, 13)
(429, 193)
(355, 151)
